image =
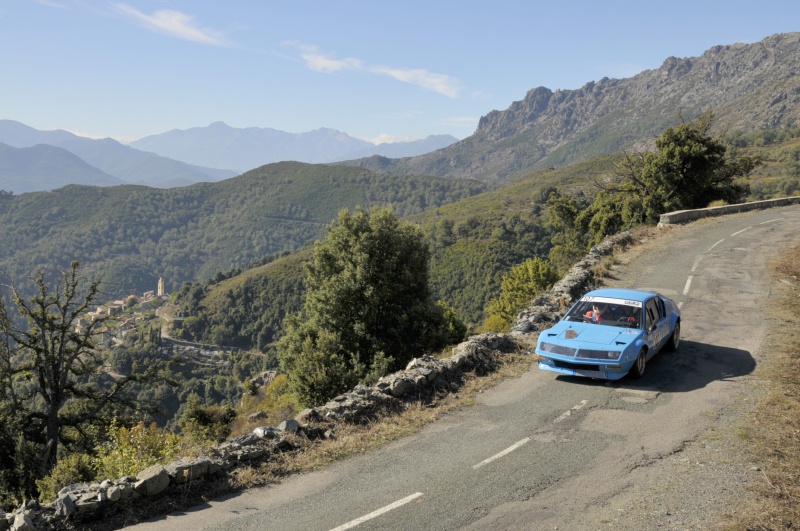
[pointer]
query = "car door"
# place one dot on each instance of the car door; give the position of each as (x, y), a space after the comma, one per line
(656, 325)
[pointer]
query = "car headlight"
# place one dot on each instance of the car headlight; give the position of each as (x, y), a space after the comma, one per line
(599, 354)
(556, 349)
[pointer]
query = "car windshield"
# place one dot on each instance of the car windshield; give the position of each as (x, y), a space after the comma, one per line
(607, 311)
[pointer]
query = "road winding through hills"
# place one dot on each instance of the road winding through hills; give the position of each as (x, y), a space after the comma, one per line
(547, 452)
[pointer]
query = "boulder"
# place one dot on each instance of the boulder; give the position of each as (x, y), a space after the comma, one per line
(402, 386)
(64, 505)
(23, 521)
(266, 432)
(152, 481)
(182, 472)
(290, 425)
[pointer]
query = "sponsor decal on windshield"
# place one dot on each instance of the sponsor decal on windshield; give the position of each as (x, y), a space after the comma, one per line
(611, 300)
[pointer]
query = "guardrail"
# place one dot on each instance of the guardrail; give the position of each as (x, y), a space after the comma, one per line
(683, 216)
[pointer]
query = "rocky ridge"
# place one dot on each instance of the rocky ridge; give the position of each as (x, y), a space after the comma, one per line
(748, 86)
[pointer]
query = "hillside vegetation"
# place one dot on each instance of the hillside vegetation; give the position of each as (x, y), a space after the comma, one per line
(132, 235)
(473, 242)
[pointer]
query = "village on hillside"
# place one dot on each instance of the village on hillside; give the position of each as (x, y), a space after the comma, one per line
(128, 315)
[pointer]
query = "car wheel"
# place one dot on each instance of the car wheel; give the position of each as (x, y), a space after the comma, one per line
(637, 371)
(675, 338)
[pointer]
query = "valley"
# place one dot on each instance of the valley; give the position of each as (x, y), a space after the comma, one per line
(545, 179)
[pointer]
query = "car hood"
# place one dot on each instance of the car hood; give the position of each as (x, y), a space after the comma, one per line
(572, 332)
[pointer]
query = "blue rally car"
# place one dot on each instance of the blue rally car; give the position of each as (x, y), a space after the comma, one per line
(609, 333)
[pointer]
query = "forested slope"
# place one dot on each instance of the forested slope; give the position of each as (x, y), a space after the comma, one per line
(132, 235)
(473, 243)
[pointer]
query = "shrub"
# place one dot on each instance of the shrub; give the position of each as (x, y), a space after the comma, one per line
(131, 450)
(520, 286)
(74, 468)
(206, 424)
(496, 324)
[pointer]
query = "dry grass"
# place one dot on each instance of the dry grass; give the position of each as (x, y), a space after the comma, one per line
(351, 439)
(604, 266)
(774, 427)
(624, 251)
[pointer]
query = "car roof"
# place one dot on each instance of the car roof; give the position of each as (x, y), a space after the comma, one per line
(621, 293)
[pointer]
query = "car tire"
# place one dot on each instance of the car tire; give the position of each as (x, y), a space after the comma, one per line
(638, 369)
(674, 338)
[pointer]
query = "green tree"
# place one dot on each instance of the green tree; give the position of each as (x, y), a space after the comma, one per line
(688, 169)
(520, 286)
(50, 374)
(567, 219)
(368, 306)
(206, 424)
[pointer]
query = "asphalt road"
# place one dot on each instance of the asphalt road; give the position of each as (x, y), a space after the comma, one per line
(548, 452)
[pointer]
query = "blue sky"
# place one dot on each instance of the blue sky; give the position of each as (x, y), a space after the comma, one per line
(407, 69)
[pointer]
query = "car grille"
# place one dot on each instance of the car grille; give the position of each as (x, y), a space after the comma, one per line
(598, 354)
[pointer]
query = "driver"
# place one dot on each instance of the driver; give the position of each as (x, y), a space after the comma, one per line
(598, 312)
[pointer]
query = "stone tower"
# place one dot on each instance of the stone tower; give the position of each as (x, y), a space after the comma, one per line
(160, 286)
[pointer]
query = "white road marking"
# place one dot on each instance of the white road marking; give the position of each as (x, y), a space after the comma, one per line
(570, 411)
(696, 263)
(719, 242)
(741, 231)
(770, 221)
(688, 283)
(373, 514)
(680, 305)
(526, 440)
(507, 451)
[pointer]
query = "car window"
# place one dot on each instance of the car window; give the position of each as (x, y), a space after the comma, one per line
(653, 316)
(611, 311)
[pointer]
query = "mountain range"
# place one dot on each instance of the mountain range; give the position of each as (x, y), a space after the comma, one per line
(173, 159)
(131, 235)
(220, 146)
(478, 229)
(749, 87)
(126, 164)
(22, 169)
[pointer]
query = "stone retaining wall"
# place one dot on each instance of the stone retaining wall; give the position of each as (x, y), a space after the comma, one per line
(83, 503)
(683, 216)
(547, 309)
